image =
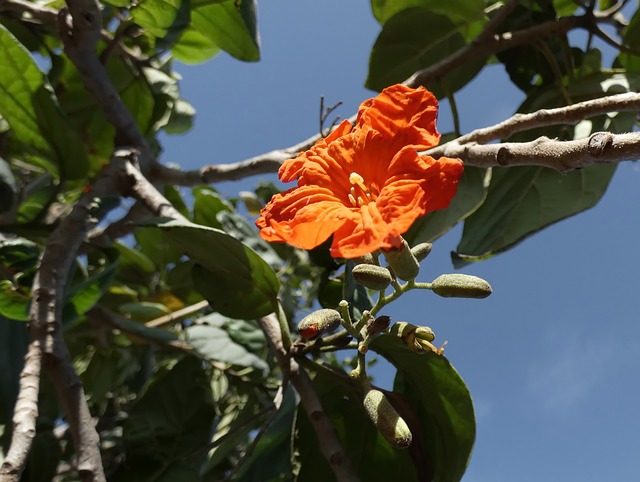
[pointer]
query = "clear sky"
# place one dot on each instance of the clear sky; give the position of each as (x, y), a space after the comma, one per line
(551, 358)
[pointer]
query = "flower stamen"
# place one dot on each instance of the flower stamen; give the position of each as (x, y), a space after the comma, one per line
(362, 196)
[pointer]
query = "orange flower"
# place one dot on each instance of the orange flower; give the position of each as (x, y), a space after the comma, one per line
(365, 185)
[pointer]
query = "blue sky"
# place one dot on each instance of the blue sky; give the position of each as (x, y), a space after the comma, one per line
(551, 357)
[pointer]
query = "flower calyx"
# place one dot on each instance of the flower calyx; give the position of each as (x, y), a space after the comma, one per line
(416, 338)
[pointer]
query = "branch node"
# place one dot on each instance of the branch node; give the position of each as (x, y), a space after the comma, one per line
(599, 143)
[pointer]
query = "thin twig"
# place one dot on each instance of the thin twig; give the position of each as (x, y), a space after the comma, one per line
(178, 314)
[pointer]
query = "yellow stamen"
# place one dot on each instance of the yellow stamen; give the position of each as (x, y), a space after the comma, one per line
(356, 179)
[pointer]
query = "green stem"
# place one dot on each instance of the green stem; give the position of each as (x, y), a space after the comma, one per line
(284, 327)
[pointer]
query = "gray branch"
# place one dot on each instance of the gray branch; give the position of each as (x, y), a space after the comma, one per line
(330, 444)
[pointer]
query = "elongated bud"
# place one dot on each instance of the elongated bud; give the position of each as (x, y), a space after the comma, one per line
(403, 262)
(378, 325)
(372, 276)
(365, 259)
(386, 419)
(461, 286)
(318, 322)
(421, 251)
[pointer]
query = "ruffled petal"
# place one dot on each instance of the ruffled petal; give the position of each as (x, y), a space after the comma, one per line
(292, 168)
(404, 115)
(303, 217)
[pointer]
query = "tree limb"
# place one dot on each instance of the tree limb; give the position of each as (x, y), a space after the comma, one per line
(80, 33)
(484, 46)
(330, 444)
(571, 114)
(563, 156)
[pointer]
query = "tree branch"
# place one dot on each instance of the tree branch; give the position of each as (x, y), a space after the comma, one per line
(80, 33)
(266, 163)
(571, 114)
(563, 156)
(488, 44)
(330, 444)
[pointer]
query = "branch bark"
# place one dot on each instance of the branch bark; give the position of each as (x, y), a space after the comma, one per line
(80, 32)
(563, 156)
(330, 444)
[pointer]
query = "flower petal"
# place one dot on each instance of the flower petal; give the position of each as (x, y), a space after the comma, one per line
(405, 115)
(291, 168)
(304, 217)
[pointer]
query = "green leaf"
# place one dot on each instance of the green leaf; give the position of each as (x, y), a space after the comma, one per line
(238, 227)
(84, 294)
(229, 25)
(207, 203)
(42, 134)
(14, 303)
(565, 7)
(107, 371)
(8, 188)
(181, 118)
(413, 40)
(169, 424)
(236, 281)
(194, 47)
(215, 344)
(143, 310)
(523, 200)
(14, 338)
(271, 457)
(441, 399)
(472, 191)
(163, 19)
(372, 457)
(133, 327)
(456, 10)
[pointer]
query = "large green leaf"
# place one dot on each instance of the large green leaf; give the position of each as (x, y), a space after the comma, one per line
(415, 39)
(456, 10)
(472, 191)
(443, 403)
(163, 19)
(372, 457)
(228, 25)
(236, 281)
(168, 425)
(523, 200)
(42, 133)
(216, 344)
(207, 203)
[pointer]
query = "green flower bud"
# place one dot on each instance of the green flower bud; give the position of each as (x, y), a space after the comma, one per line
(425, 333)
(365, 259)
(421, 251)
(372, 276)
(461, 286)
(404, 263)
(318, 322)
(386, 419)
